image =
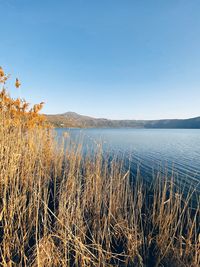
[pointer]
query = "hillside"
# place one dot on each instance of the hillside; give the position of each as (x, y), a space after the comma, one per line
(74, 120)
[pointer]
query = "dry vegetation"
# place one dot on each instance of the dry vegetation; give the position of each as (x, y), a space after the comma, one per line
(58, 208)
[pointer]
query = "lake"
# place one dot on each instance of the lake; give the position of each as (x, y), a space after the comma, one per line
(166, 150)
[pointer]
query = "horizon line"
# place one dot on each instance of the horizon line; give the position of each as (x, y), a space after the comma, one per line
(90, 116)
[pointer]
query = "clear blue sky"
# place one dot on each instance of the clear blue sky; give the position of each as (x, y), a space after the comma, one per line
(136, 59)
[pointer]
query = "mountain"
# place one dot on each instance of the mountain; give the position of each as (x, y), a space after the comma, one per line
(74, 120)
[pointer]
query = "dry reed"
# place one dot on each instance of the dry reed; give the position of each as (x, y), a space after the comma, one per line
(58, 208)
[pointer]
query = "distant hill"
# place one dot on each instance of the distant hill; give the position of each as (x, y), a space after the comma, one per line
(74, 120)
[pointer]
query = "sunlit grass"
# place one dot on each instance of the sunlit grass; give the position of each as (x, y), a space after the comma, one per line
(58, 208)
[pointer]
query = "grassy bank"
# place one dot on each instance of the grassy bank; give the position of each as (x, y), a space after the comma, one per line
(60, 209)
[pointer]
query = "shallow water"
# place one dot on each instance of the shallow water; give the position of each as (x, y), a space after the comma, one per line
(176, 150)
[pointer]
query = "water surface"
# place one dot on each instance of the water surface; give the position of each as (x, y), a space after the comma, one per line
(176, 150)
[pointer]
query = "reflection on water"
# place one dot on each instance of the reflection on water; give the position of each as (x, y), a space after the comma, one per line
(150, 149)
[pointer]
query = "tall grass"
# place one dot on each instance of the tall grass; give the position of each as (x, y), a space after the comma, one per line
(58, 208)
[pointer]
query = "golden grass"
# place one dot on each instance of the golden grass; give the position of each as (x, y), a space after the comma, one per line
(58, 208)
